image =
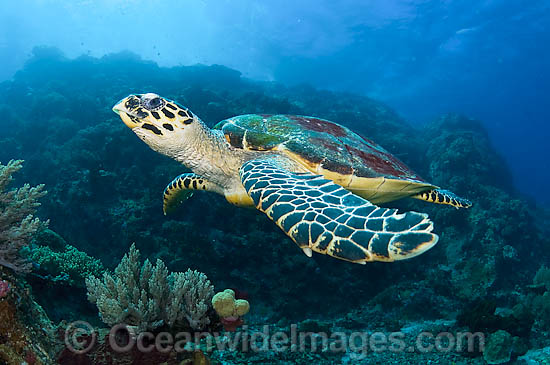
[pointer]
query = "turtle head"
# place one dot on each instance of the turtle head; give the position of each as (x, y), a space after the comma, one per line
(161, 123)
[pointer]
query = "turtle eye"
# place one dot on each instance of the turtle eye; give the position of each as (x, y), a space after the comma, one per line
(156, 102)
(153, 104)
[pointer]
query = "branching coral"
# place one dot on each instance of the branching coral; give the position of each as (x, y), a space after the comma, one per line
(197, 293)
(150, 297)
(17, 223)
(68, 265)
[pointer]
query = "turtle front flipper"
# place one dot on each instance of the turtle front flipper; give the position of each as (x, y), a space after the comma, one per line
(181, 189)
(321, 216)
(440, 196)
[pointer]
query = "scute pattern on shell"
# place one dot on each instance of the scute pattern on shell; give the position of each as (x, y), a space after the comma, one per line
(318, 141)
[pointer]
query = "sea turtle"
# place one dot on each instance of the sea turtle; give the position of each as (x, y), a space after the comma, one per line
(317, 180)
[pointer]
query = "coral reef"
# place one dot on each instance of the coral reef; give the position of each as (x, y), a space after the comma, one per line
(27, 335)
(498, 349)
(17, 223)
(537, 302)
(541, 307)
(480, 273)
(542, 277)
(68, 265)
(536, 357)
(150, 297)
(102, 353)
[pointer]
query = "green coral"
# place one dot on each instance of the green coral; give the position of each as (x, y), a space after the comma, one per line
(498, 349)
(70, 264)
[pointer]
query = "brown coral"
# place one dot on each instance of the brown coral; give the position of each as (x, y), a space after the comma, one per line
(149, 296)
(17, 223)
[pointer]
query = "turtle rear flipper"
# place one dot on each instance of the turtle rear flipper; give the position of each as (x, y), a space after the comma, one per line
(321, 216)
(440, 196)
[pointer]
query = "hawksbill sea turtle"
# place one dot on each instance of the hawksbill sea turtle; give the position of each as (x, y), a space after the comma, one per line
(317, 180)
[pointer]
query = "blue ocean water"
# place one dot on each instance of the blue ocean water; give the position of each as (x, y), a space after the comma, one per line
(487, 59)
(110, 119)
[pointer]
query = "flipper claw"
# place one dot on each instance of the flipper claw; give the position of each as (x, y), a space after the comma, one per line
(307, 251)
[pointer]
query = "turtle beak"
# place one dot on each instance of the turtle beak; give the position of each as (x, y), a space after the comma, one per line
(119, 106)
(123, 113)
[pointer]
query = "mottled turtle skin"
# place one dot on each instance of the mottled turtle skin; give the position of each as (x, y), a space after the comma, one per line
(316, 180)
